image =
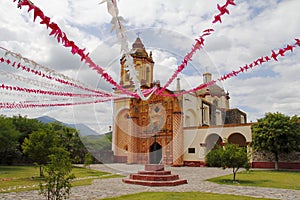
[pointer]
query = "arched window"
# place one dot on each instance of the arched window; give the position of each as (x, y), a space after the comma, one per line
(237, 138)
(125, 148)
(191, 118)
(213, 141)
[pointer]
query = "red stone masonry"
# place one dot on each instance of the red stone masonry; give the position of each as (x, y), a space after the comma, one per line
(155, 176)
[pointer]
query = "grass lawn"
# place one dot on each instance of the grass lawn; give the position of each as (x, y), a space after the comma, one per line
(181, 195)
(24, 178)
(263, 178)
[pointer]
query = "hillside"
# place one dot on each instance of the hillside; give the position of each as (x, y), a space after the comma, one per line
(83, 129)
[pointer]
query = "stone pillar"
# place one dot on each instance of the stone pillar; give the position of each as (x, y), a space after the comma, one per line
(178, 140)
(202, 153)
(249, 151)
(132, 146)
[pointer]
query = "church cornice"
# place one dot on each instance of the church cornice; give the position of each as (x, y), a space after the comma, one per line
(212, 95)
(216, 126)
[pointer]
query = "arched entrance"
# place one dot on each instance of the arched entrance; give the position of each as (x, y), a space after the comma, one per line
(237, 138)
(155, 153)
(122, 134)
(213, 141)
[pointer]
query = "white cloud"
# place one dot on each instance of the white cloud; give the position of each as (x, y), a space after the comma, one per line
(169, 28)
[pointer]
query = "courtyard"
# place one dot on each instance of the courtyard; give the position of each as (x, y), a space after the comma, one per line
(196, 176)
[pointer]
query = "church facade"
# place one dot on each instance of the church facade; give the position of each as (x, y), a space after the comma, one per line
(177, 131)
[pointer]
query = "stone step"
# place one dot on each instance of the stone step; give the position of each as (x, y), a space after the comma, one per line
(156, 183)
(155, 172)
(154, 177)
(154, 167)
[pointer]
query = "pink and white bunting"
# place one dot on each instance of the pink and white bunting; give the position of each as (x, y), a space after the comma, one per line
(48, 94)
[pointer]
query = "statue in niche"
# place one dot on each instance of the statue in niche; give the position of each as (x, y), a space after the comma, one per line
(157, 117)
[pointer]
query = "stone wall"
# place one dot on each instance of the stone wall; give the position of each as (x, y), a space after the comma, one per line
(262, 156)
(233, 116)
(266, 160)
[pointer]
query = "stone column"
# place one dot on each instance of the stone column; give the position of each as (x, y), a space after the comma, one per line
(249, 151)
(178, 140)
(132, 146)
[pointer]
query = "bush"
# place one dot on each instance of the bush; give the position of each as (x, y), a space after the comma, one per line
(229, 156)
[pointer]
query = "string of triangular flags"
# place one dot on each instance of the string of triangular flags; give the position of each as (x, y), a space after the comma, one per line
(117, 25)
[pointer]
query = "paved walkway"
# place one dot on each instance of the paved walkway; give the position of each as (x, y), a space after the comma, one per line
(196, 182)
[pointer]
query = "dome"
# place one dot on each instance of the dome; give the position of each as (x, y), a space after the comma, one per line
(138, 44)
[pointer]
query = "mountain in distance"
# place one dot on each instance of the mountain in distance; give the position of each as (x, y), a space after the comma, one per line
(83, 129)
(46, 119)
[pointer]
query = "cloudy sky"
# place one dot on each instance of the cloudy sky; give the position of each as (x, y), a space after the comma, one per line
(168, 28)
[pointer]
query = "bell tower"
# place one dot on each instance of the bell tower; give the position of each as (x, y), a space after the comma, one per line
(207, 77)
(124, 125)
(143, 65)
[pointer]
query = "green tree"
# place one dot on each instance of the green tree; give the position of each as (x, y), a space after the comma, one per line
(38, 147)
(98, 142)
(8, 140)
(68, 138)
(231, 156)
(25, 126)
(276, 133)
(88, 159)
(39, 143)
(58, 175)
